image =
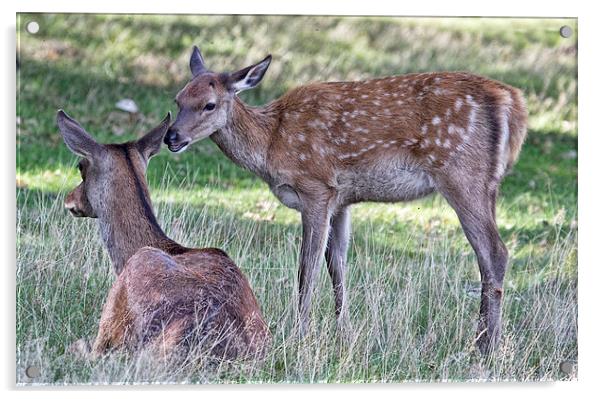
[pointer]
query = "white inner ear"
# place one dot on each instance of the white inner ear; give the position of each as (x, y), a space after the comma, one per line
(243, 84)
(246, 82)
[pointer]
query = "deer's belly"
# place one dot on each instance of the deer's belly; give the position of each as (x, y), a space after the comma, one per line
(388, 185)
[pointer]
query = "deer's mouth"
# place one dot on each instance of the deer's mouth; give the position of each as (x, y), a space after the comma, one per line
(179, 147)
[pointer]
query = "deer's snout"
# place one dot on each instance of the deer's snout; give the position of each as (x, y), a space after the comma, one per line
(175, 141)
(72, 207)
(170, 136)
(77, 204)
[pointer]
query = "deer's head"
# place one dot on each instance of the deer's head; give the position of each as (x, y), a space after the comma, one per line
(110, 172)
(205, 103)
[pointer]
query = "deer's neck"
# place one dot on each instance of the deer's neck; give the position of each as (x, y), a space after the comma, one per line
(128, 222)
(246, 137)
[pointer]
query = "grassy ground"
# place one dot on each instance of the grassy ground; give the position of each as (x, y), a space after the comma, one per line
(413, 278)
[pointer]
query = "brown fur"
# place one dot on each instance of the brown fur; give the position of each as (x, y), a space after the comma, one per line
(166, 296)
(324, 146)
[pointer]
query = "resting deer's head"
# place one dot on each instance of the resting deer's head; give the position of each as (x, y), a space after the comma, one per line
(205, 103)
(111, 173)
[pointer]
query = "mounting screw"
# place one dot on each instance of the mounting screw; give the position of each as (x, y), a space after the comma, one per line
(566, 31)
(32, 27)
(567, 367)
(32, 372)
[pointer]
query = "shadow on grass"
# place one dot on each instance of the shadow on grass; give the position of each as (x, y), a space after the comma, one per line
(547, 164)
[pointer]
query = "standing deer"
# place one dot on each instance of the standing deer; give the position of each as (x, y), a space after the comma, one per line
(166, 296)
(325, 146)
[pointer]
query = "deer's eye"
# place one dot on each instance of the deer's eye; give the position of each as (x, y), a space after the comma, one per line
(209, 107)
(80, 167)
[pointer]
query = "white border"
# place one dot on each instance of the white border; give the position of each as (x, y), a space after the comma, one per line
(589, 216)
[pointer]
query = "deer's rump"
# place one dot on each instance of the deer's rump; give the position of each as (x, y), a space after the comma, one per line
(195, 300)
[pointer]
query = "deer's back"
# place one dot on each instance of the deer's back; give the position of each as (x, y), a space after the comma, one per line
(409, 127)
(194, 298)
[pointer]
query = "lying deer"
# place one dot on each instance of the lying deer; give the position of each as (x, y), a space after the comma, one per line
(166, 296)
(325, 146)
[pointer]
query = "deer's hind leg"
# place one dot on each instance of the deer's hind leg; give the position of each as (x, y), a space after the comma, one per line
(336, 259)
(114, 326)
(474, 204)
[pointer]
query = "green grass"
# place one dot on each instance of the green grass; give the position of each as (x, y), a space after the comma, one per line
(412, 275)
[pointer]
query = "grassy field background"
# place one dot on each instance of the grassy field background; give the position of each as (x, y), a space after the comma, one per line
(413, 278)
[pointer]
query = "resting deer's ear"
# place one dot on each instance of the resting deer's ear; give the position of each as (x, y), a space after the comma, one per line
(248, 77)
(150, 144)
(197, 64)
(76, 138)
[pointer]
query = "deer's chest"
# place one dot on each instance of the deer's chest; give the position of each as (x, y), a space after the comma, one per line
(287, 195)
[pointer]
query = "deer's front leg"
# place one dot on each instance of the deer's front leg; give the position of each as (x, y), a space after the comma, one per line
(336, 259)
(316, 224)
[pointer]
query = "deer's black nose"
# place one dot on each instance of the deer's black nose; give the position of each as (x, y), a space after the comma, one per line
(171, 136)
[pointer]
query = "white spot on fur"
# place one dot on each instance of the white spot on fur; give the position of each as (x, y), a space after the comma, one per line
(424, 129)
(302, 157)
(301, 137)
(317, 123)
(436, 120)
(472, 116)
(458, 104)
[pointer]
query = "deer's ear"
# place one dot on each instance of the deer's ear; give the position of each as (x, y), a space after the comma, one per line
(150, 144)
(76, 138)
(248, 77)
(197, 64)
